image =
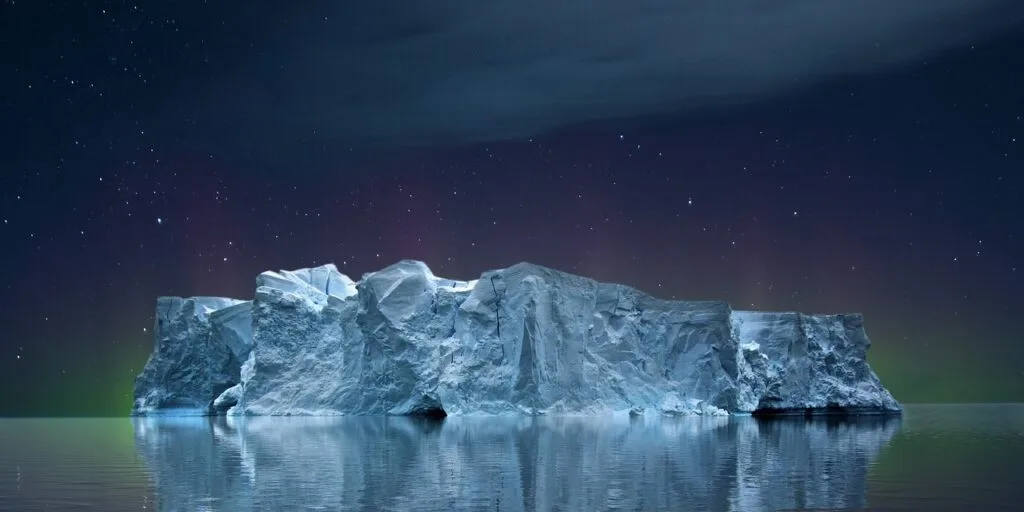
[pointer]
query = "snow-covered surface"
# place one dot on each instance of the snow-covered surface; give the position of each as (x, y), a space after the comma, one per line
(521, 340)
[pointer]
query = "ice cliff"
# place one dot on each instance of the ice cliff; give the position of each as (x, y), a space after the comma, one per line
(521, 340)
(200, 343)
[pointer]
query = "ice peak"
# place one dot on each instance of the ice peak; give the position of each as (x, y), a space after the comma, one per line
(315, 284)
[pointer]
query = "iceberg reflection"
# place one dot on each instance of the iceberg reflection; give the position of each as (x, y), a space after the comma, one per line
(513, 463)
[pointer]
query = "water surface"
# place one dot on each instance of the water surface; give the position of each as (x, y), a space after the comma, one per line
(935, 458)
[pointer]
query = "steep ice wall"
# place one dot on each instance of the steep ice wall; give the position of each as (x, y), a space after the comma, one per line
(297, 322)
(198, 345)
(375, 349)
(521, 340)
(793, 361)
(529, 339)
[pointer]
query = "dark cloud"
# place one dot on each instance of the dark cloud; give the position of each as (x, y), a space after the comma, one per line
(421, 71)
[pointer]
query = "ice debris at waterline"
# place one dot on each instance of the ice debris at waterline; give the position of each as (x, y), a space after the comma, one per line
(521, 340)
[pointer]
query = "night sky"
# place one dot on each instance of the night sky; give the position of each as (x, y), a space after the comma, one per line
(850, 155)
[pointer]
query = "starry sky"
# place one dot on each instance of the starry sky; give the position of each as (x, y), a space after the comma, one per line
(852, 155)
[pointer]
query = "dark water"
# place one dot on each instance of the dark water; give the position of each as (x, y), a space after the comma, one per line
(962, 457)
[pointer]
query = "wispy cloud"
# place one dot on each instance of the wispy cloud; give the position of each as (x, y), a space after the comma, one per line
(418, 71)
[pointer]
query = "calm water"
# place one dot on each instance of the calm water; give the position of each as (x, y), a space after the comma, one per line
(963, 457)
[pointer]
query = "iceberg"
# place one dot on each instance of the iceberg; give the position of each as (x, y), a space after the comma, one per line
(524, 340)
